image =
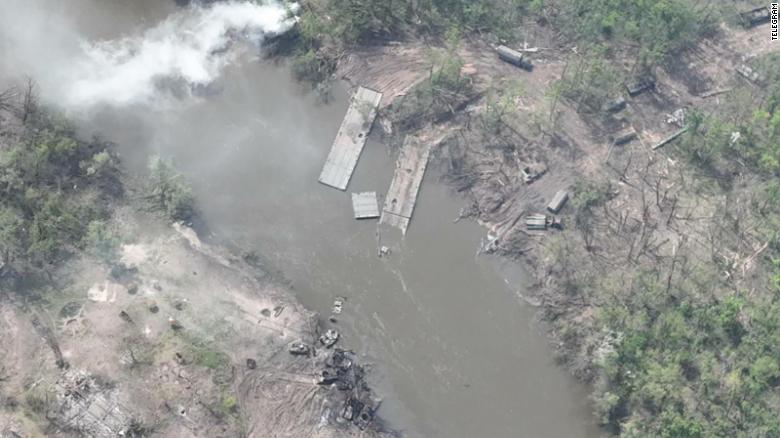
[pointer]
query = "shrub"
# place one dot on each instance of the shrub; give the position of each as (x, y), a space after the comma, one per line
(101, 241)
(655, 29)
(168, 191)
(590, 81)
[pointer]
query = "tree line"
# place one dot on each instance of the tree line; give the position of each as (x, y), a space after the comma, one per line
(58, 192)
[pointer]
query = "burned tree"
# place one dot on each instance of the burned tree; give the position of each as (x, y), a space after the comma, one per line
(7, 98)
(29, 104)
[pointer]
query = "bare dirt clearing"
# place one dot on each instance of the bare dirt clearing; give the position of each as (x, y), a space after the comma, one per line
(184, 340)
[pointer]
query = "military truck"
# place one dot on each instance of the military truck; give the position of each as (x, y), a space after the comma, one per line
(754, 17)
(541, 222)
(625, 136)
(616, 105)
(558, 201)
(640, 85)
(514, 57)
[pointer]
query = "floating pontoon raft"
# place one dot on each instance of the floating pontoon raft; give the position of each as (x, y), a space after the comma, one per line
(351, 138)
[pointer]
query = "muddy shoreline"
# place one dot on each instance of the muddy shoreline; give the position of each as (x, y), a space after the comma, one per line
(175, 337)
(149, 345)
(181, 337)
(571, 148)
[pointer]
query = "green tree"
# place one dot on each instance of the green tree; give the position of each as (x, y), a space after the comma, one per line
(101, 241)
(168, 191)
(11, 236)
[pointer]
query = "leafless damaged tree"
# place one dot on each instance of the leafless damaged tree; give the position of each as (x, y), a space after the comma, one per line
(7, 98)
(29, 99)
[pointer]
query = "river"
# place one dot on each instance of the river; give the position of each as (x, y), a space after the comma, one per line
(456, 353)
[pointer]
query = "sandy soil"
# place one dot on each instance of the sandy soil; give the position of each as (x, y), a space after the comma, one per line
(163, 347)
(550, 134)
(390, 69)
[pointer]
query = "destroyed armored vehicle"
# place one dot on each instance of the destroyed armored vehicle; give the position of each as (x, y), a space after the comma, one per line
(340, 359)
(343, 373)
(329, 338)
(299, 349)
(676, 118)
(640, 85)
(616, 105)
(338, 305)
(328, 376)
(348, 412)
(367, 413)
(530, 174)
(540, 222)
(625, 136)
(754, 17)
(748, 73)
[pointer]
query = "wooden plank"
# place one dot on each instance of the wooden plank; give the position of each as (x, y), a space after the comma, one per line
(409, 171)
(350, 139)
(670, 139)
(715, 92)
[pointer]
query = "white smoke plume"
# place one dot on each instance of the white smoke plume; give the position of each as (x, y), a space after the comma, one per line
(190, 48)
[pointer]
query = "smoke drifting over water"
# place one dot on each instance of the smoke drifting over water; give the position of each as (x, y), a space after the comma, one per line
(188, 49)
(192, 46)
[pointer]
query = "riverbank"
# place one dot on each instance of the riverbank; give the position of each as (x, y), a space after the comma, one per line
(252, 147)
(660, 287)
(153, 332)
(644, 229)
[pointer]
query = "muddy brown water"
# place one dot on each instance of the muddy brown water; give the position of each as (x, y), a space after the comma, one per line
(456, 353)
